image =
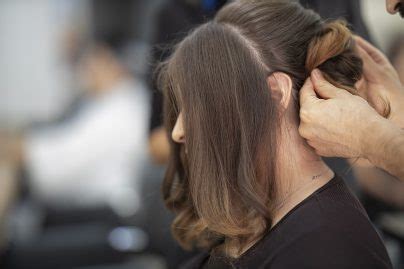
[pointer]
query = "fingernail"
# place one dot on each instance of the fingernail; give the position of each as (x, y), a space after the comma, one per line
(316, 74)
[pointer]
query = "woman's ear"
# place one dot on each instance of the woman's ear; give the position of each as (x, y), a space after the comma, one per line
(281, 85)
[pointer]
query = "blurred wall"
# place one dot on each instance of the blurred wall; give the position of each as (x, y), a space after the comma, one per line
(383, 26)
(33, 79)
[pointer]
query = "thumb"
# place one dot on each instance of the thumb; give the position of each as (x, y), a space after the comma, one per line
(307, 93)
(370, 67)
(323, 88)
(376, 55)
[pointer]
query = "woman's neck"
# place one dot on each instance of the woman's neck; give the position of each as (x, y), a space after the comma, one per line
(300, 173)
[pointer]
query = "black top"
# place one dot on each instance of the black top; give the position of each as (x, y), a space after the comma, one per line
(329, 229)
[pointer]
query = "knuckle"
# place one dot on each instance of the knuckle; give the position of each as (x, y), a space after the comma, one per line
(305, 132)
(311, 144)
(320, 84)
(321, 152)
(302, 130)
(305, 114)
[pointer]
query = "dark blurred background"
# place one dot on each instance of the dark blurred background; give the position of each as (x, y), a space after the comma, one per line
(82, 150)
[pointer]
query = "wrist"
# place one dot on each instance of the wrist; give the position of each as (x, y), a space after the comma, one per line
(380, 139)
(373, 135)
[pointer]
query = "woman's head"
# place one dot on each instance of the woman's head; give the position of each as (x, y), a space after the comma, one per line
(228, 86)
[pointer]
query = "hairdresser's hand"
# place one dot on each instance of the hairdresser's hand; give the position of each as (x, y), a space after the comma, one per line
(333, 121)
(380, 84)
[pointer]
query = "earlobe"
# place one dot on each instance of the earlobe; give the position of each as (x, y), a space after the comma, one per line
(281, 86)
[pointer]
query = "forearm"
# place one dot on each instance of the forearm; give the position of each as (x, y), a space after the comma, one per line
(384, 147)
(378, 183)
(8, 192)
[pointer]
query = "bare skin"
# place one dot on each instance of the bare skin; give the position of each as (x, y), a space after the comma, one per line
(380, 85)
(378, 183)
(336, 123)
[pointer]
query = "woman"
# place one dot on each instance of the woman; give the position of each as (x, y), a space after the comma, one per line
(244, 185)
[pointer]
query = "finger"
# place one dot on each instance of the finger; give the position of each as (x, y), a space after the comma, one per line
(323, 88)
(319, 148)
(361, 87)
(311, 143)
(304, 130)
(370, 67)
(371, 50)
(307, 93)
(323, 153)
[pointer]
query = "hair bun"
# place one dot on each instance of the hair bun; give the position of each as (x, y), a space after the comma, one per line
(333, 40)
(332, 51)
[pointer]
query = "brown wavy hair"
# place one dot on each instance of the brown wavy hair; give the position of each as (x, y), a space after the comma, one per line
(221, 183)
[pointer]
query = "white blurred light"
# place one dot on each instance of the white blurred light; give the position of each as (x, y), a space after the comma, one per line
(128, 239)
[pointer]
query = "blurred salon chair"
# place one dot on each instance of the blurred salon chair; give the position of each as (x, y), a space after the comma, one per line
(44, 237)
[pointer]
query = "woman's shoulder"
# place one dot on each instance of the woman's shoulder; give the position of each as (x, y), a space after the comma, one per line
(338, 245)
(344, 229)
(333, 206)
(348, 242)
(328, 230)
(336, 194)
